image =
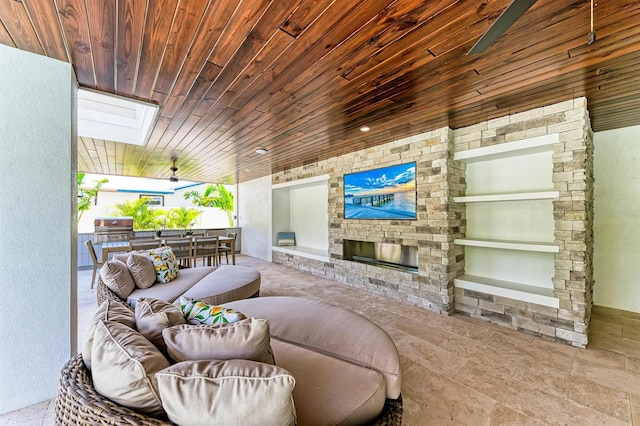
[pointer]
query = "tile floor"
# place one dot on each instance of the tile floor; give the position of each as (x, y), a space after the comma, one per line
(462, 371)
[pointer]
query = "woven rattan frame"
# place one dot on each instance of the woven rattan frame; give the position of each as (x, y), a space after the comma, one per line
(78, 403)
(103, 293)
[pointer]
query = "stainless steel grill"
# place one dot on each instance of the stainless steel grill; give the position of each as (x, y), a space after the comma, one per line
(108, 229)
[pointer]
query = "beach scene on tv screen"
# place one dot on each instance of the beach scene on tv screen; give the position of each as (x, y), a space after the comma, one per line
(384, 193)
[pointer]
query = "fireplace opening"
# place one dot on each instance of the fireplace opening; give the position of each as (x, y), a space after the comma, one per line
(386, 255)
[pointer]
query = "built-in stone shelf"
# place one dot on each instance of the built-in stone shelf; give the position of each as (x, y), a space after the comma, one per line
(308, 252)
(507, 150)
(521, 196)
(543, 247)
(524, 292)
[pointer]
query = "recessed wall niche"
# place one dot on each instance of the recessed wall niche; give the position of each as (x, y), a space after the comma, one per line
(301, 207)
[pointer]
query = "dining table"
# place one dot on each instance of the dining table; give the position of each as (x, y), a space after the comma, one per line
(123, 246)
(114, 247)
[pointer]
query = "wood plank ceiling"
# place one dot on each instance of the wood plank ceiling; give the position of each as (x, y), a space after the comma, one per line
(300, 77)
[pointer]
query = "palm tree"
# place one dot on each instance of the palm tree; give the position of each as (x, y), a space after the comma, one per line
(143, 216)
(87, 197)
(182, 217)
(214, 196)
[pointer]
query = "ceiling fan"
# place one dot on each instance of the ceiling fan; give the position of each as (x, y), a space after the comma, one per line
(174, 169)
(511, 14)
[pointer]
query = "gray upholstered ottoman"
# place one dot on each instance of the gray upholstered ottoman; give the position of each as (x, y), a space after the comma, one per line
(227, 283)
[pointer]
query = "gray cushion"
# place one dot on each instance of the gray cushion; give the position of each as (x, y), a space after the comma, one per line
(153, 316)
(312, 324)
(245, 339)
(233, 392)
(172, 290)
(109, 310)
(124, 367)
(116, 276)
(141, 269)
(228, 282)
(348, 394)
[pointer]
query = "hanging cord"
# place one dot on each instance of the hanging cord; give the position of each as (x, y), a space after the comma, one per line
(591, 37)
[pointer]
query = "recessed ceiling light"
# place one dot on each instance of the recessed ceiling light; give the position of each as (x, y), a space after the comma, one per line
(365, 128)
(262, 150)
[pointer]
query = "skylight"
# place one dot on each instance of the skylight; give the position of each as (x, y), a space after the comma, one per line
(114, 118)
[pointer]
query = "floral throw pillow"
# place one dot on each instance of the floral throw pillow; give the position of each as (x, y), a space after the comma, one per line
(165, 264)
(196, 312)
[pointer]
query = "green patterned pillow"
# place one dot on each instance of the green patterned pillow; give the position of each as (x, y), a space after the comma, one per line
(165, 264)
(196, 312)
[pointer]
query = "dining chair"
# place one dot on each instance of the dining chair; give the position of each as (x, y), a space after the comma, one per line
(144, 244)
(182, 249)
(94, 258)
(206, 248)
(225, 248)
(143, 238)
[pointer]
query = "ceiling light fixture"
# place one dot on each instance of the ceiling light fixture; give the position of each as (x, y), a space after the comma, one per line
(365, 128)
(174, 169)
(262, 151)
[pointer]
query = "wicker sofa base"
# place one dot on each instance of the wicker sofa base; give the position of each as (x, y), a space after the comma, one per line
(78, 403)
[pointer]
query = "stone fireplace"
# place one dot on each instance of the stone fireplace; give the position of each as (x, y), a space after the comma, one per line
(434, 241)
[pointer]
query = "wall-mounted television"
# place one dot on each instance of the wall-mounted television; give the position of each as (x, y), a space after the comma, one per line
(384, 193)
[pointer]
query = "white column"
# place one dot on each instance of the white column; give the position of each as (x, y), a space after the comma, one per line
(254, 217)
(37, 225)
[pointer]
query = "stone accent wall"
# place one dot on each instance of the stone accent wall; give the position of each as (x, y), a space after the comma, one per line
(573, 213)
(573, 220)
(439, 222)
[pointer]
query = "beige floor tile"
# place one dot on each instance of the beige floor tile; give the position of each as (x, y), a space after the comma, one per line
(635, 409)
(445, 401)
(604, 326)
(524, 337)
(631, 333)
(420, 330)
(605, 376)
(602, 357)
(501, 416)
(552, 356)
(482, 354)
(633, 365)
(528, 399)
(29, 416)
(616, 344)
(611, 402)
(431, 356)
(603, 311)
(470, 328)
(411, 412)
(630, 315)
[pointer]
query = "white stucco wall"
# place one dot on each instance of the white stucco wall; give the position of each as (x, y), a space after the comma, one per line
(310, 216)
(616, 226)
(37, 226)
(254, 217)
